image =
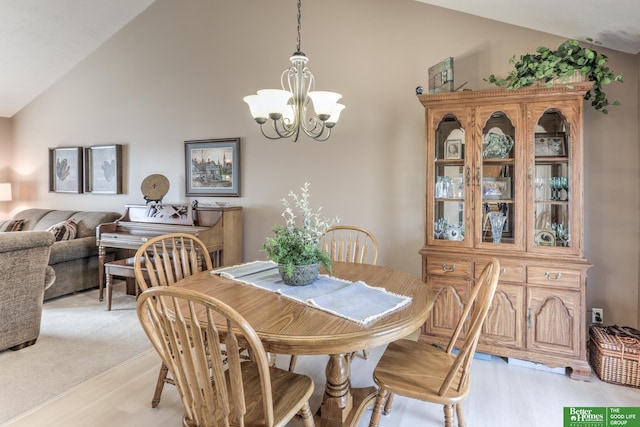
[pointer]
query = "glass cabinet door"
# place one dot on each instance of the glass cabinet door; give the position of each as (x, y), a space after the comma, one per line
(448, 182)
(552, 184)
(497, 208)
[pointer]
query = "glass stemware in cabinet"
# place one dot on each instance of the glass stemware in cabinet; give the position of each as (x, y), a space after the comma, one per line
(554, 184)
(541, 188)
(439, 228)
(564, 185)
(562, 234)
(559, 188)
(444, 187)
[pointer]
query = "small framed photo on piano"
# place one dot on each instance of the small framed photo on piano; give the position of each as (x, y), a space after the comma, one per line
(213, 167)
(103, 169)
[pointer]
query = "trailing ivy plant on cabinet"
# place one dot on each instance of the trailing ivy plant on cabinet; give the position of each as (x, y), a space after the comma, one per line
(504, 179)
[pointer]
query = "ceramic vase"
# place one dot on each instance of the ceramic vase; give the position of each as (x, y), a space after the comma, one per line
(302, 274)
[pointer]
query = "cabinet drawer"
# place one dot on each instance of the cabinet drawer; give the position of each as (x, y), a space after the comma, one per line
(449, 267)
(509, 271)
(553, 276)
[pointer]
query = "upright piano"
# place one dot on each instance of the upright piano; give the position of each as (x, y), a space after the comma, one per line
(219, 228)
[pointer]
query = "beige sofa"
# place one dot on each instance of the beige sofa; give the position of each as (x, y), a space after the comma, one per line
(24, 276)
(75, 261)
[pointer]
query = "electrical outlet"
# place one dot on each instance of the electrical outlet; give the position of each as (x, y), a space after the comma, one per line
(597, 316)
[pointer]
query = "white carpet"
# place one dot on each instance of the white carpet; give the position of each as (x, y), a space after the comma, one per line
(79, 339)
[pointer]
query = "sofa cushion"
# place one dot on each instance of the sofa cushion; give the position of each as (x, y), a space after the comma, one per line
(11, 225)
(40, 219)
(64, 230)
(31, 217)
(88, 221)
(52, 218)
(69, 250)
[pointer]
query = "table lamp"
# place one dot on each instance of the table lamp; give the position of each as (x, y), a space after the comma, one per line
(5, 192)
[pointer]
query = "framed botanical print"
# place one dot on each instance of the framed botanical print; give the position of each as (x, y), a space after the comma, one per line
(103, 169)
(212, 167)
(65, 170)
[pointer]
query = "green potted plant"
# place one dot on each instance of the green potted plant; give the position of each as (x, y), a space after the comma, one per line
(296, 247)
(550, 67)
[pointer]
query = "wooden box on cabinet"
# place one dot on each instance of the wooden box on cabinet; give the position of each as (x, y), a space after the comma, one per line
(538, 312)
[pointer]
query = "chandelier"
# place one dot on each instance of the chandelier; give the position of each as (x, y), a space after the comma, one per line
(290, 109)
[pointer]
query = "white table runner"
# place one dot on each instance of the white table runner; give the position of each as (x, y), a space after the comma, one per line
(355, 301)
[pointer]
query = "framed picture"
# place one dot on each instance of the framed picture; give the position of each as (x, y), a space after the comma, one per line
(441, 76)
(213, 167)
(550, 145)
(496, 188)
(453, 149)
(103, 169)
(65, 170)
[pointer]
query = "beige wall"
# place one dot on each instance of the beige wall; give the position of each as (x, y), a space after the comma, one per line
(6, 153)
(179, 72)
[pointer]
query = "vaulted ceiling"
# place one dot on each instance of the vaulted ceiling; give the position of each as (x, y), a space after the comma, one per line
(616, 24)
(41, 40)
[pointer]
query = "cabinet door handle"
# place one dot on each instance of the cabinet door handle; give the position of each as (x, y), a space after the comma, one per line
(503, 270)
(529, 318)
(449, 268)
(478, 177)
(555, 278)
(530, 176)
(468, 176)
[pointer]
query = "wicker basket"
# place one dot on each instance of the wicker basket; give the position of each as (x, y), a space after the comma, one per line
(576, 77)
(615, 359)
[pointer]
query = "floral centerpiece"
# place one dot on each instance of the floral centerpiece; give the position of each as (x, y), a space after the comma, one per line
(296, 246)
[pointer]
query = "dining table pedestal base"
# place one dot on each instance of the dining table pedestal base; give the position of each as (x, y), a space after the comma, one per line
(343, 405)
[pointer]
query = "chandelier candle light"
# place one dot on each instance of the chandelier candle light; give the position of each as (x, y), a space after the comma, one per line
(290, 109)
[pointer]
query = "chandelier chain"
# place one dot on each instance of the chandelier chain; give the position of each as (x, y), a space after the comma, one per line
(299, 25)
(290, 110)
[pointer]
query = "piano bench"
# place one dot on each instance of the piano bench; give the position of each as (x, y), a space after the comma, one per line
(119, 268)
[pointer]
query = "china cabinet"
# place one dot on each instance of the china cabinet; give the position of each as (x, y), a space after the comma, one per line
(504, 179)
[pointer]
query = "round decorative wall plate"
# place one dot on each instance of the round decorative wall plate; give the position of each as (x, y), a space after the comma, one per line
(155, 187)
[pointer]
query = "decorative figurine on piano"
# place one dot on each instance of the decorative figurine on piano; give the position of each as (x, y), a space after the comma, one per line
(154, 188)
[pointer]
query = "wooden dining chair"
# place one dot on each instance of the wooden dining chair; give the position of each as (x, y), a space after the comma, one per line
(188, 329)
(162, 261)
(424, 372)
(347, 243)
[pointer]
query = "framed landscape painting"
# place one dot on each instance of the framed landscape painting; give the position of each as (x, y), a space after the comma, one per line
(212, 167)
(496, 188)
(65, 170)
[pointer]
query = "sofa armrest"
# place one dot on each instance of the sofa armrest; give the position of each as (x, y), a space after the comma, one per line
(49, 277)
(20, 240)
(68, 250)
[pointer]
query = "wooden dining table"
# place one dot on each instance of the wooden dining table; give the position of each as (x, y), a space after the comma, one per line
(286, 326)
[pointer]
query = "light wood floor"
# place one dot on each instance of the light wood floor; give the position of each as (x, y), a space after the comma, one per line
(502, 395)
